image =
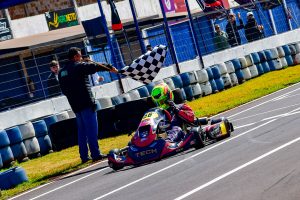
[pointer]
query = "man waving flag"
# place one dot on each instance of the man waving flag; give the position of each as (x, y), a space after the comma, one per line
(115, 19)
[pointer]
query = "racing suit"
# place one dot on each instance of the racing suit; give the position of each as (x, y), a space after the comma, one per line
(179, 114)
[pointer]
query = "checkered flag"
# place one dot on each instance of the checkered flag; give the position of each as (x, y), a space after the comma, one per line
(145, 68)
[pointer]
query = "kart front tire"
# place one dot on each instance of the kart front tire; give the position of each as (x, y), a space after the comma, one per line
(114, 166)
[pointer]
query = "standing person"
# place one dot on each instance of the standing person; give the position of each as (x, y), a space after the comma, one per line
(232, 28)
(52, 80)
(253, 31)
(220, 38)
(74, 83)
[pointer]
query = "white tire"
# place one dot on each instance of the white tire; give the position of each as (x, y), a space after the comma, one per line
(243, 62)
(223, 68)
(226, 80)
(249, 60)
(253, 71)
(246, 73)
(202, 76)
(206, 88)
(234, 79)
(277, 64)
(283, 62)
(230, 67)
(170, 83)
(280, 52)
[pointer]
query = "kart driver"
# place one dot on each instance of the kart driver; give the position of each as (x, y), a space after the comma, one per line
(163, 98)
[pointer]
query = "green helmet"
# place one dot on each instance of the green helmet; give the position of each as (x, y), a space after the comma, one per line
(161, 94)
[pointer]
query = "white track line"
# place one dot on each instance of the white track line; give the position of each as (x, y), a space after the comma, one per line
(179, 162)
(237, 169)
(67, 175)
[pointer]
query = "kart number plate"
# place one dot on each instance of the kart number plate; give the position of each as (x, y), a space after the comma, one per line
(150, 115)
(223, 128)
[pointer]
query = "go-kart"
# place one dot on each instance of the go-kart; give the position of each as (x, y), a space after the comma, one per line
(148, 142)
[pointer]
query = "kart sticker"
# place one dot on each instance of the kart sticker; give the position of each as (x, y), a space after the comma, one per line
(148, 115)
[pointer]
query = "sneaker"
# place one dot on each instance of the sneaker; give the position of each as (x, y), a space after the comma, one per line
(86, 160)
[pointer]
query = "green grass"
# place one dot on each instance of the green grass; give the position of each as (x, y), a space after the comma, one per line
(46, 168)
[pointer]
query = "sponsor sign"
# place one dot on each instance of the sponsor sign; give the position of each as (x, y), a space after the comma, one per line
(61, 18)
(5, 33)
(169, 6)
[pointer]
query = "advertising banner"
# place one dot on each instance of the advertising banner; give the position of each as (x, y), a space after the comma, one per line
(169, 6)
(5, 33)
(61, 19)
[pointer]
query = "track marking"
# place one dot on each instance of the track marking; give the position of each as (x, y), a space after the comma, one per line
(179, 162)
(54, 181)
(242, 126)
(281, 115)
(270, 100)
(237, 169)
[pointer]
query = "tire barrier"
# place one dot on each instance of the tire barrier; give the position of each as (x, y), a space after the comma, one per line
(209, 73)
(149, 87)
(246, 73)
(297, 59)
(265, 66)
(41, 133)
(268, 54)
(134, 95)
(62, 116)
(240, 76)
(206, 88)
(216, 72)
(178, 97)
(223, 68)
(243, 62)
(177, 81)
(253, 71)
(170, 83)
(117, 100)
(262, 57)
(29, 139)
(143, 91)
(220, 84)
(1, 164)
(105, 102)
(274, 53)
(236, 63)
(192, 77)
(49, 120)
(281, 52)
(189, 93)
(292, 49)
(249, 60)
(272, 65)
(202, 76)
(234, 79)
(16, 144)
(286, 50)
(183, 94)
(213, 86)
(283, 62)
(297, 47)
(5, 150)
(64, 134)
(258, 57)
(128, 115)
(259, 68)
(289, 60)
(229, 67)
(196, 88)
(12, 177)
(277, 64)
(227, 81)
(124, 98)
(185, 79)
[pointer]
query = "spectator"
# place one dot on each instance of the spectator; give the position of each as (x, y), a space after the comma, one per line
(52, 80)
(252, 30)
(232, 28)
(74, 83)
(95, 78)
(220, 38)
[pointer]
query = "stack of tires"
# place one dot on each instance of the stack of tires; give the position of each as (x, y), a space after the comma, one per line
(12, 177)
(5, 150)
(189, 79)
(170, 83)
(238, 72)
(211, 80)
(105, 102)
(261, 60)
(204, 82)
(254, 69)
(296, 58)
(273, 59)
(178, 83)
(62, 116)
(41, 133)
(217, 77)
(281, 55)
(143, 91)
(16, 143)
(225, 75)
(31, 143)
(134, 95)
(231, 72)
(245, 69)
(288, 54)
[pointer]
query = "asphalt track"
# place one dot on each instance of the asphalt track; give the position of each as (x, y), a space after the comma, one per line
(259, 161)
